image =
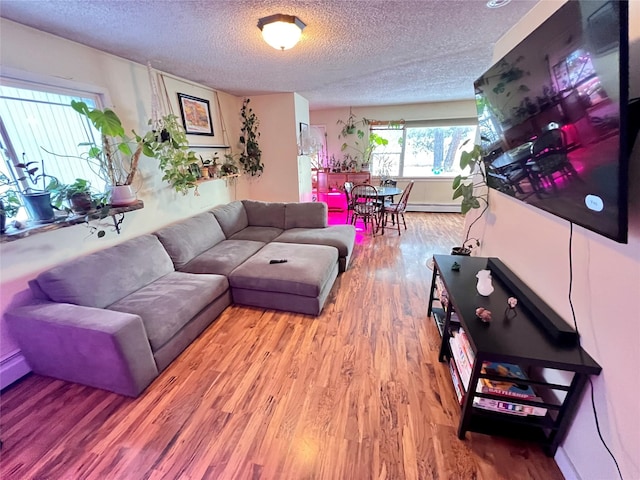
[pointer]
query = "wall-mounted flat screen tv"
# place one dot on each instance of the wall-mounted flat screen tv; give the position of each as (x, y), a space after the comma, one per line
(553, 117)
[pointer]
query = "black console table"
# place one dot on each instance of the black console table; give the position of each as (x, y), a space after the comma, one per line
(532, 336)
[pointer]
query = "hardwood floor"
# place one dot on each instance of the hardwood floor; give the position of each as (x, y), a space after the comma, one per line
(356, 393)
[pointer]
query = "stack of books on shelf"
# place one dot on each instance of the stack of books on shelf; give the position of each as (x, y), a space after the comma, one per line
(511, 391)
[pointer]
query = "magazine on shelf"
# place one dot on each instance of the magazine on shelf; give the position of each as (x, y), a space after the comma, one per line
(455, 377)
(510, 408)
(466, 347)
(462, 362)
(506, 388)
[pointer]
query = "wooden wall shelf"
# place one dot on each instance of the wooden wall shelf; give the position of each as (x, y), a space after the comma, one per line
(209, 146)
(66, 221)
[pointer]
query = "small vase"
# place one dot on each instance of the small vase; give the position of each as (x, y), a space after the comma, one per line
(484, 286)
(122, 195)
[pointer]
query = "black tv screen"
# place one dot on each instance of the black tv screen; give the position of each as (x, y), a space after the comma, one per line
(552, 115)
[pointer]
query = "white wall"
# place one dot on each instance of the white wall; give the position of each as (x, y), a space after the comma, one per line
(606, 289)
(432, 194)
(279, 145)
(42, 54)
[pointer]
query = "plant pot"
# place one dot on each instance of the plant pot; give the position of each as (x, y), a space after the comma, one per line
(3, 218)
(204, 172)
(80, 202)
(122, 195)
(213, 171)
(461, 251)
(39, 207)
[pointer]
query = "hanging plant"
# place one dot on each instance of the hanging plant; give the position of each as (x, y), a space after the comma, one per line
(167, 141)
(250, 158)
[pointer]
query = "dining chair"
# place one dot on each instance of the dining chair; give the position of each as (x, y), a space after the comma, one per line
(548, 158)
(365, 206)
(347, 187)
(396, 210)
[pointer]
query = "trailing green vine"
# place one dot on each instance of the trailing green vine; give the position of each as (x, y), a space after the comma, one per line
(168, 143)
(251, 156)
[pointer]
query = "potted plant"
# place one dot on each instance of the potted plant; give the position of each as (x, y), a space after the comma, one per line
(348, 126)
(229, 166)
(117, 162)
(37, 201)
(209, 168)
(471, 187)
(167, 141)
(365, 142)
(251, 156)
(204, 167)
(9, 200)
(77, 195)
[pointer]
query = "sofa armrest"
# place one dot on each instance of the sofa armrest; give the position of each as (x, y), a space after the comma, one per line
(92, 346)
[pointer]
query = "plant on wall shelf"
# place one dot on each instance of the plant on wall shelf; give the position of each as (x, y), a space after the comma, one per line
(167, 141)
(229, 166)
(465, 186)
(115, 144)
(251, 156)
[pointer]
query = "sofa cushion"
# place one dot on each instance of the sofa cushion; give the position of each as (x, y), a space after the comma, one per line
(223, 258)
(258, 234)
(170, 302)
(305, 273)
(188, 238)
(340, 236)
(305, 215)
(104, 277)
(232, 217)
(265, 214)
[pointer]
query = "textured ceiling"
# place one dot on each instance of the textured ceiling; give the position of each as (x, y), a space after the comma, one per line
(352, 53)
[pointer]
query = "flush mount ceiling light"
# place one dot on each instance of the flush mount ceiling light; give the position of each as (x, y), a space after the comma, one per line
(281, 31)
(497, 3)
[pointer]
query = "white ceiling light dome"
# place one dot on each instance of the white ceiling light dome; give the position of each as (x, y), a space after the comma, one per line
(497, 3)
(281, 31)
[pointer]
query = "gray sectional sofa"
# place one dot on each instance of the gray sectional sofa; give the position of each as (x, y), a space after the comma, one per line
(116, 318)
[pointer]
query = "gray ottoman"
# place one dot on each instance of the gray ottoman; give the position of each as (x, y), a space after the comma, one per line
(301, 285)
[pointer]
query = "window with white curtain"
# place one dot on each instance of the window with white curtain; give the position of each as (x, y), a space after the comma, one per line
(423, 149)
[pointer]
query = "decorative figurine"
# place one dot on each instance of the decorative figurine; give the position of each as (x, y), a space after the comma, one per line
(483, 314)
(510, 312)
(484, 287)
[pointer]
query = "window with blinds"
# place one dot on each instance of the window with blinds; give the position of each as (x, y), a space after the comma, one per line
(37, 124)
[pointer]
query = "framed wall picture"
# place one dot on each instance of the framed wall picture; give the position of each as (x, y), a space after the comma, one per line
(196, 115)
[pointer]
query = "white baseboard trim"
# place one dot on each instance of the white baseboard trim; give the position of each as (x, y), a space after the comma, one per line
(565, 465)
(439, 208)
(12, 368)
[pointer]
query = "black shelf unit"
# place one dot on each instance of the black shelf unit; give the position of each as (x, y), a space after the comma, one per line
(535, 339)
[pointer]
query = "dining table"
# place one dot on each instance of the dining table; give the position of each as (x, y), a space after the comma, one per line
(382, 193)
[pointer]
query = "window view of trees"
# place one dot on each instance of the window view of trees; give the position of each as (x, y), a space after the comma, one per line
(421, 151)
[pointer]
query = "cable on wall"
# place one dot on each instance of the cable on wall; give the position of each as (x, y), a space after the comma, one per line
(575, 325)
